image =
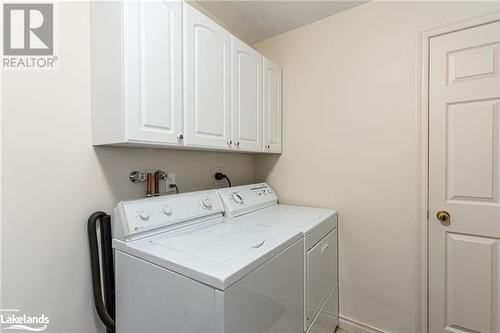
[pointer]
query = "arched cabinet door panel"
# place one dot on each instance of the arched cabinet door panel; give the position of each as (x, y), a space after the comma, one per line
(153, 70)
(207, 89)
(272, 107)
(246, 97)
(136, 72)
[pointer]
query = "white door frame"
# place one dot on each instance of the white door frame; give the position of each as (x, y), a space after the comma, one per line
(422, 306)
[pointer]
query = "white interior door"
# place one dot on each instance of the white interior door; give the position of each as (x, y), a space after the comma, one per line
(207, 65)
(464, 150)
(246, 96)
(272, 107)
(153, 70)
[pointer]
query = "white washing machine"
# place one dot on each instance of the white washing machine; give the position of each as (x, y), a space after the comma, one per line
(181, 268)
(257, 204)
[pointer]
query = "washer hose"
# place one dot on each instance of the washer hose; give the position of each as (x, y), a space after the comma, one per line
(105, 311)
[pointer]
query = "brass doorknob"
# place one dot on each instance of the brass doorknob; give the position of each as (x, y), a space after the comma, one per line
(444, 217)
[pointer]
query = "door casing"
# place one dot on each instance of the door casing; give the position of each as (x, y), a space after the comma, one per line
(422, 260)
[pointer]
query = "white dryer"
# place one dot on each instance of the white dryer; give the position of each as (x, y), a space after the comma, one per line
(257, 204)
(181, 268)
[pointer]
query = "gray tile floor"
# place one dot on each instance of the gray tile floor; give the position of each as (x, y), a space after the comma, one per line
(341, 330)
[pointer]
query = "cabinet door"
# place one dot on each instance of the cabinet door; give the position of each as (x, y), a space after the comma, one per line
(152, 71)
(207, 65)
(272, 107)
(246, 96)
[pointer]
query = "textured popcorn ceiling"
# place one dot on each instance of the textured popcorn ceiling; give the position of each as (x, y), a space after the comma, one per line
(257, 20)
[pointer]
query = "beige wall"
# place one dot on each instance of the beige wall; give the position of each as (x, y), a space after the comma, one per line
(53, 179)
(349, 142)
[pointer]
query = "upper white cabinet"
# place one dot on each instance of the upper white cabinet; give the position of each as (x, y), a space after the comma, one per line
(272, 107)
(246, 97)
(207, 66)
(137, 72)
(165, 75)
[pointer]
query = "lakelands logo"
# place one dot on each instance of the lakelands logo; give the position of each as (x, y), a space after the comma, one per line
(12, 319)
(28, 36)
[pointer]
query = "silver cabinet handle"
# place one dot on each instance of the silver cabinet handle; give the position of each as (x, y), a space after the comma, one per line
(180, 137)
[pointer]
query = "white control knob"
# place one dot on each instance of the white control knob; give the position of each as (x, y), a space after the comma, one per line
(144, 215)
(167, 210)
(206, 203)
(237, 198)
(270, 191)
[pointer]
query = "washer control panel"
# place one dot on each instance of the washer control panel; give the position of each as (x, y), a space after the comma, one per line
(247, 198)
(148, 214)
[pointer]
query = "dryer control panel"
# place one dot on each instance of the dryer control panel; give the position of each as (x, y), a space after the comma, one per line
(239, 200)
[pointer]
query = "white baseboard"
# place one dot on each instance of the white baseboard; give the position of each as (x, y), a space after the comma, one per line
(356, 327)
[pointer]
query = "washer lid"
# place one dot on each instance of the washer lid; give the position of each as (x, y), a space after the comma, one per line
(215, 253)
(218, 242)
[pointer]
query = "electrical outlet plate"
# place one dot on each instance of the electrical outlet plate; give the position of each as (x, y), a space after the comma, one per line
(214, 181)
(170, 180)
